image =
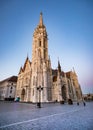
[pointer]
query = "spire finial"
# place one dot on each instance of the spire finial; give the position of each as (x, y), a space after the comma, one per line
(41, 19)
(49, 57)
(58, 62)
(73, 70)
(59, 67)
(27, 55)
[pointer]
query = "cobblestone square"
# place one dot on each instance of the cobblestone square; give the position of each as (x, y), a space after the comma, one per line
(24, 116)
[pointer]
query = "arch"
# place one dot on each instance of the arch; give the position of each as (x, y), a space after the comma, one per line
(77, 94)
(44, 43)
(54, 78)
(42, 80)
(44, 54)
(69, 87)
(39, 43)
(23, 94)
(63, 89)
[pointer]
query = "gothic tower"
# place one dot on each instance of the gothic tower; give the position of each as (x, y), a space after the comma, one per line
(41, 64)
(37, 81)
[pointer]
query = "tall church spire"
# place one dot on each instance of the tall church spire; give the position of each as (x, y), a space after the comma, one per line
(41, 19)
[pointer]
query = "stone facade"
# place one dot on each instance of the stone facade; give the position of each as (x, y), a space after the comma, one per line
(8, 88)
(56, 85)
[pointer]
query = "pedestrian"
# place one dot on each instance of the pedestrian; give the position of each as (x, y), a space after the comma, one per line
(78, 103)
(84, 103)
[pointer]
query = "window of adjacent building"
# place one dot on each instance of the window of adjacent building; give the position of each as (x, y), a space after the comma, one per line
(10, 91)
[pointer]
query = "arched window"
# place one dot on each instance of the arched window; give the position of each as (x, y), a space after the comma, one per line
(23, 92)
(63, 89)
(69, 87)
(33, 92)
(39, 53)
(74, 83)
(34, 80)
(42, 81)
(39, 43)
(44, 54)
(44, 43)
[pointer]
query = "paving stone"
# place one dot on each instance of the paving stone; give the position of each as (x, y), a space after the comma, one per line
(49, 117)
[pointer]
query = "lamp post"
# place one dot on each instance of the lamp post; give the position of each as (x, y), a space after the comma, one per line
(39, 89)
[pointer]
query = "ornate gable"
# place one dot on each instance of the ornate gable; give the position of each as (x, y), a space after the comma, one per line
(21, 70)
(27, 65)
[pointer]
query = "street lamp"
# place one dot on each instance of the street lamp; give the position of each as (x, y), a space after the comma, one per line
(39, 89)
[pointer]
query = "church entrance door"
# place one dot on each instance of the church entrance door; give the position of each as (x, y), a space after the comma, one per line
(23, 94)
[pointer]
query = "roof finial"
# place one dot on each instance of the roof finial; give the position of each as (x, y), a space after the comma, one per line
(73, 70)
(41, 19)
(59, 67)
(27, 55)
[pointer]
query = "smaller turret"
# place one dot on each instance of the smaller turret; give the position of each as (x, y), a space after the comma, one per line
(74, 72)
(59, 67)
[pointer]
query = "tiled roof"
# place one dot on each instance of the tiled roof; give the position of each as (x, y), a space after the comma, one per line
(54, 78)
(63, 74)
(54, 72)
(12, 79)
(68, 74)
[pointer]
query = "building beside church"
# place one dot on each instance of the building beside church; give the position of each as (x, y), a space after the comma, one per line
(8, 88)
(56, 85)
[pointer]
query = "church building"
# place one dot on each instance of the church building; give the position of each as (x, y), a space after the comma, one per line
(37, 81)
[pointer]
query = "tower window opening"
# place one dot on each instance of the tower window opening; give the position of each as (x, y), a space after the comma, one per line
(44, 54)
(39, 43)
(44, 43)
(39, 53)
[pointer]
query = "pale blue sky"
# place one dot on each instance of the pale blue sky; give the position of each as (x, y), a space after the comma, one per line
(69, 26)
